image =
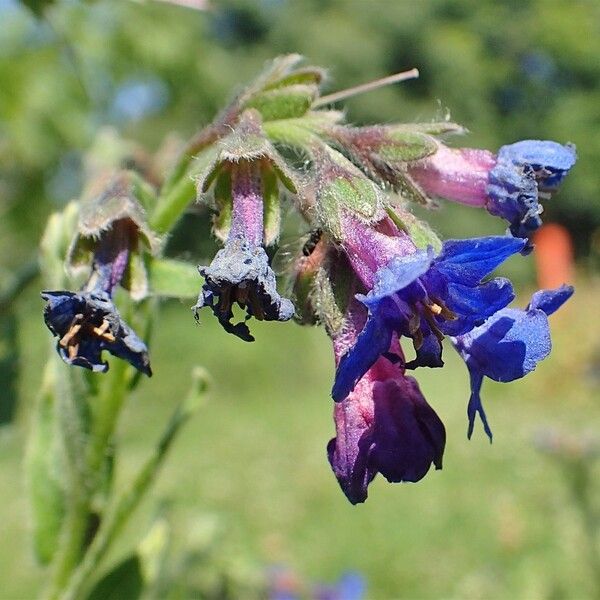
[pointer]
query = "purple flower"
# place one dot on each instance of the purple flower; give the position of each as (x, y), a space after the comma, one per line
(508, 345)
(87, 322)
(510, 185)
(459, 174)
(425, 297)
(384, 425)
(240, 272)
(525, 172)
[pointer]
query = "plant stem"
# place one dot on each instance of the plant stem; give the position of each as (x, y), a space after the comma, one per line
(125, 506)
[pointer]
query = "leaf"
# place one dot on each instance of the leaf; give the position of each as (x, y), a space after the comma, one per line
(45, 471)
(123, 582)
(172, 278)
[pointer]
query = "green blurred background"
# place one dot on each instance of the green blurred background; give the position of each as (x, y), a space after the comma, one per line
(499, 521)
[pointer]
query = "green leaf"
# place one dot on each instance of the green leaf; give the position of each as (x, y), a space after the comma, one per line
(124, 582)
(172, 278)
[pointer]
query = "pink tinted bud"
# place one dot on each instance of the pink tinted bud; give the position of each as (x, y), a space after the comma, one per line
(455, 174)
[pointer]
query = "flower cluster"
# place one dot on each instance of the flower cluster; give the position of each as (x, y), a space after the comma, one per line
(371, 273)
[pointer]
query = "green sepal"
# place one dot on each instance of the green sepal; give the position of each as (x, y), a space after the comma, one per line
(284, 103)
(223, 205)
(434, 128)
(55, 244)
(247, 141)
(341, 186)
(180, 194)
(110, 198)
(135, 279)
(271, 207)
(172, 278)
(419, 231)
(405, 146)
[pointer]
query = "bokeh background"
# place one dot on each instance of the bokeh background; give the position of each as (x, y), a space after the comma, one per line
(516, 519)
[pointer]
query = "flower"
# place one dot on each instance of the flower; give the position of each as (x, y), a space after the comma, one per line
(384, 425)
(87, 323)
(240, 273)
(425, 297)
(509, 185)
(508, 345)
(525, 172)
(459, 174)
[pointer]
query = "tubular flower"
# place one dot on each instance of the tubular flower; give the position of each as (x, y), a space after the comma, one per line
(384, 425)
(425, 297)
(508, 345)
(87, 322)
(509, 185)
(524, 173)
(240, 272)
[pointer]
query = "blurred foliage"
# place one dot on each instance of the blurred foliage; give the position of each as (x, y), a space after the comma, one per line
(507, 71)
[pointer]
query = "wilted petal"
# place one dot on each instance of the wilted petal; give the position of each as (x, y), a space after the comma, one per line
(87, 323)
(240, 273)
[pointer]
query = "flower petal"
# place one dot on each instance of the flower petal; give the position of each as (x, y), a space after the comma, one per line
(469, 261)
(240, 272)
(551, 300)
(87, 323)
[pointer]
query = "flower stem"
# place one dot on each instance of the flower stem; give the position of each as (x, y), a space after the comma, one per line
(131, 498)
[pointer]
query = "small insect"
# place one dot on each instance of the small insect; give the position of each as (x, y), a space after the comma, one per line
(311, 243)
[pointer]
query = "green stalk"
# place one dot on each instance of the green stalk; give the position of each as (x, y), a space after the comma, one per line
(130, 499)
(171, 206)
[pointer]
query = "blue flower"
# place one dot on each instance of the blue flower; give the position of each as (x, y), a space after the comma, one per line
(87, 323)
(424, 297)
(525, 172)
(240, 273)
(508, 345)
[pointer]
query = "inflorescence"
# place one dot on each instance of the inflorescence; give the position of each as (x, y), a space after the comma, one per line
(371, 273)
